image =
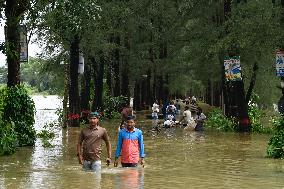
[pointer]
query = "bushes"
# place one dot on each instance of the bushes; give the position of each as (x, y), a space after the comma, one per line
(275, 147)
(255, 113)
(8, 138)
(113, 105)
(17, 110)
(217, 120)
(47, 134)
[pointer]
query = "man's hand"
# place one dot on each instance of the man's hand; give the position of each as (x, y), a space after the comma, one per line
(115, 164)
(142, 162)
(108, 161)
(80, 158)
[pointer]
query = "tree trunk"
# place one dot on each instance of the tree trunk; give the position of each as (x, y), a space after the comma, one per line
(149, 99)
(85, 89)
(98, 79)
(125, 70)
(74, 99)
(65, 97)
(143, 92)
(160, 88)
(109, 79)
(154, 87)
(252, 83)
(242, 110)
(116, 76)
(153, 65)
(110, 68)
(13, 14)
(137, 95)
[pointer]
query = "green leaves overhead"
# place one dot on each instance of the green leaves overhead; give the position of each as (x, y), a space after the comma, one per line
(181, 39)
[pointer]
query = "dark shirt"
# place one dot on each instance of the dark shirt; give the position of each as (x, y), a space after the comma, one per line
(92, 142)
(127, 111)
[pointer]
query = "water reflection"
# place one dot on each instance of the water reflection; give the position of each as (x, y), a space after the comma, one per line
(194, 136)
(130, 178)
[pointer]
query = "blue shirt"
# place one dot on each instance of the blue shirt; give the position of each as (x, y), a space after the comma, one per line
(130, 145)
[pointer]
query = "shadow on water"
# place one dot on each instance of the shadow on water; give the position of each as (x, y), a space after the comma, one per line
(174, 159)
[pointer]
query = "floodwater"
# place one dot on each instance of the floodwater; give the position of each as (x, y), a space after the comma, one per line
(175, 159)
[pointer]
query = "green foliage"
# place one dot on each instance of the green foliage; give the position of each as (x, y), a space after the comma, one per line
(36, 74)
(255, 114)
(60, 113)
(113, 105)
(3, 74)
(165, 39)
(275, 147)
(47, 135)
(217, 120)
(19, 108)
(8, 138)
(115, 115)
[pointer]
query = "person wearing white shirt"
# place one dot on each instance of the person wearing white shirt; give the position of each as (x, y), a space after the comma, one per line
(186, 115)
(155, 110)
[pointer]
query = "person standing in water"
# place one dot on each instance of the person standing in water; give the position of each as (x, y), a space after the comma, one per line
(130, 145)
(199, 119)
(186, 116)
(91, 138)
(126, 111)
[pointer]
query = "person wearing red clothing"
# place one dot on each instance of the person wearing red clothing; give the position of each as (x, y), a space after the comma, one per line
(130, 145)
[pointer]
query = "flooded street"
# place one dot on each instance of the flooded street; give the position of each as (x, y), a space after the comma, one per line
(174, 159)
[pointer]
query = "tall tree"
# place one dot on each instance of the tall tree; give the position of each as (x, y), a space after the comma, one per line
(14, 12)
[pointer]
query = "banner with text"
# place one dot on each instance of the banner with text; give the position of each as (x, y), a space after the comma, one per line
(279, 63)
(23, 43)
(233, 68)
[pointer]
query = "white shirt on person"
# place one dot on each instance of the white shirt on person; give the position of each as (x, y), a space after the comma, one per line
(155, 107)
(187, 115)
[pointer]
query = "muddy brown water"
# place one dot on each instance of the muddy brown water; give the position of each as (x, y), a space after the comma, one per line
(174, 159)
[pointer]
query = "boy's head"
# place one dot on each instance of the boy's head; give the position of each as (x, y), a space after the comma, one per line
(130, 123)
(94, 118)
(94, 115)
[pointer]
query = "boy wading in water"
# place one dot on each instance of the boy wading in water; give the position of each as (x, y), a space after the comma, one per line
(91, 137)
(130, 145)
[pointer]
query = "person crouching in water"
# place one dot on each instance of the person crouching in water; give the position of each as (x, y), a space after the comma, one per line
(169, 122)
(130, 145)
(199, 119)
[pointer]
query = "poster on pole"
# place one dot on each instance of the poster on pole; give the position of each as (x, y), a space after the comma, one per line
(233, 68)
(23, 43)
(279, 63)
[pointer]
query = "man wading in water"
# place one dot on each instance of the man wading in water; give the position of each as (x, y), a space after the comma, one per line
(126, 111)
(130, 145)
(91, 137)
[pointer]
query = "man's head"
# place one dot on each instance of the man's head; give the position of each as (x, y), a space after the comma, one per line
(130, 123)
(94, 118)
(186, 108)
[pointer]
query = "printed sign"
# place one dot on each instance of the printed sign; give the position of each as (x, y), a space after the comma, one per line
(24, 44)
(279, 63)
(233, 68)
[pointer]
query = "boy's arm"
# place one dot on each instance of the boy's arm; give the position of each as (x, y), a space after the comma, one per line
(119, 144)
(141, 144)
(108, 146)
(118, 148)
(79, 147)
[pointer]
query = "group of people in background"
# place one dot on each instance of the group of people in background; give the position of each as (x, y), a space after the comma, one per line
(192, 117)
